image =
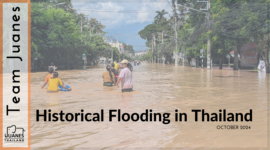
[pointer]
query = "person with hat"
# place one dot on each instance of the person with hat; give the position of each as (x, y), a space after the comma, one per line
(126, 76)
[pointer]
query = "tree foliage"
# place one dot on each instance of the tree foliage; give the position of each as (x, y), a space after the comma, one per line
(232, 24)
(61, 35)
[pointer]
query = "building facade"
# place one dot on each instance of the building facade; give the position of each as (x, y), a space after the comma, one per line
(116, 44)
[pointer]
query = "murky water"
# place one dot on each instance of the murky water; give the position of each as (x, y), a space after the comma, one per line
(162, 89)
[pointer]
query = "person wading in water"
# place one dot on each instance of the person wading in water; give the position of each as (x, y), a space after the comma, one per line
(126, 76)
(54, 83)
(108, 77)
(115, 71)
(48, 77)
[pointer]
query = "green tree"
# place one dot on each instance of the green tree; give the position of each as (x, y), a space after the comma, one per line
(116, 54)
(57, 37)
(95, 26)
(160, 15)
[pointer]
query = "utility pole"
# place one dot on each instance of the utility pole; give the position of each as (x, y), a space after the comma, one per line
(208, 40)
(183, 56)
(176, 54)
(81, 24)
(152, 52)
(155, 58)
(157, 55)
(209, 61)
(90, 29)
(112, 54)
(162, 48)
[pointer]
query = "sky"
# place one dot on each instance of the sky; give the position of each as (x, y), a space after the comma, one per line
(123, 18)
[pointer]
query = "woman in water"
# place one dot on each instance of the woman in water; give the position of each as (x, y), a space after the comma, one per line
(108, 77)
(126, 76)
(54, 83)
(48, 77)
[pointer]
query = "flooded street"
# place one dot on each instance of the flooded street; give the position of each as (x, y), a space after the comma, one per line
(162, 89)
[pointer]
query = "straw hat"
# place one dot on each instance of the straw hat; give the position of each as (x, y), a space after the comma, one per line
(124, 61)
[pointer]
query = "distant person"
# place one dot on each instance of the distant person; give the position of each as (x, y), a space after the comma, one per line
(108, 77)
(115, 72)
(115, 65)
(126, 76)
(48, 77)
(53, 66)
(120, 67)
(54, 83)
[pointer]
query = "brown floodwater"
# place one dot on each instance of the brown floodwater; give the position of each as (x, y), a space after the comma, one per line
(162, 88)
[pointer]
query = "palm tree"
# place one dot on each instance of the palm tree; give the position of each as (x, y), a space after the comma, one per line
(159, 16)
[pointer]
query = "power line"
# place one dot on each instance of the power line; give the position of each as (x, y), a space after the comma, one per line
(113, 11)
(123, 34)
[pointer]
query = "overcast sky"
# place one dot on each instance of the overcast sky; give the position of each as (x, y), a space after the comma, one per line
(129, 18)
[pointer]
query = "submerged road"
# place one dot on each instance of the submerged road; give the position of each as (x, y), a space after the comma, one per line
(163, 89)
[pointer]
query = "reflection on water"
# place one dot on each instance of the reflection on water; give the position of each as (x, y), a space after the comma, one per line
(162, 89)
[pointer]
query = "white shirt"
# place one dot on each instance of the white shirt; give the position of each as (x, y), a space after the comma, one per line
(126, 78)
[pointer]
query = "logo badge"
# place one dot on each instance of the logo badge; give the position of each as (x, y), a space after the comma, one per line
(14, 134)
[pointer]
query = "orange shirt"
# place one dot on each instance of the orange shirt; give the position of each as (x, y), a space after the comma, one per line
(48, 77)
(107, 78)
